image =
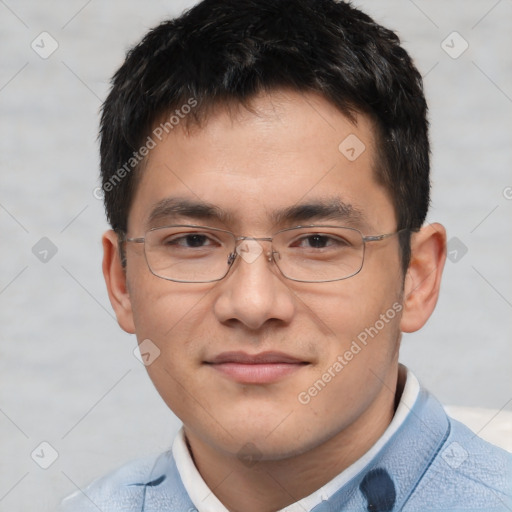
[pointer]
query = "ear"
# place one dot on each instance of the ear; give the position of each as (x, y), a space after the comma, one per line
(423, 277)
(115, 279)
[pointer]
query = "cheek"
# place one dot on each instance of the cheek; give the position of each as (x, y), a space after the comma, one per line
(162, 309)
(364, 340)
(173, 320)
(345, 309)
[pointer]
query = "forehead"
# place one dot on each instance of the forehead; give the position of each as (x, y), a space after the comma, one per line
(252, 166)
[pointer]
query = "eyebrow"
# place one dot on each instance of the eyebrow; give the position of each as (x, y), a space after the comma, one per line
(330, 209)
(173, 207)
(325, 209)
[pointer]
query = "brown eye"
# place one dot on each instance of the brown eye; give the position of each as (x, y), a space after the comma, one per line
(194, 240)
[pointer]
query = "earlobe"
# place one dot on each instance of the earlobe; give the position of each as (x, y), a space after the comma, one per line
(423, 278)
(115, 279)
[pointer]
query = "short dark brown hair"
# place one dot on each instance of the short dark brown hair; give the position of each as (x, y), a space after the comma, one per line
(231, 50)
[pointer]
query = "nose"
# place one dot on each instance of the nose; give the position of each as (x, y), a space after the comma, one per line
(254, 292)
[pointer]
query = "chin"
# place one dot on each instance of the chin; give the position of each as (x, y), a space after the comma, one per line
(265, 440)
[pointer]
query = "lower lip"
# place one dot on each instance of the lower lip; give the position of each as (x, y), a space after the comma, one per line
(262, 373)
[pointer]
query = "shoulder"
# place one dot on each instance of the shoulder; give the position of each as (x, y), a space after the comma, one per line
(466, 467)
(122, 489)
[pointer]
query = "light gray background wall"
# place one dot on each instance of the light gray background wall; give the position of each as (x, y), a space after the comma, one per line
(68, 374)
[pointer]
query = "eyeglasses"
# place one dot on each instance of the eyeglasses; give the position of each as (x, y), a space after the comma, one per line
(308, 254)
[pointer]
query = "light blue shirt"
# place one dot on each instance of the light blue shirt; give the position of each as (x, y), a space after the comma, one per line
(424, 461)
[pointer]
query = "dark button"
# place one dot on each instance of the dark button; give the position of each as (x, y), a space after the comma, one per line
(378, 490)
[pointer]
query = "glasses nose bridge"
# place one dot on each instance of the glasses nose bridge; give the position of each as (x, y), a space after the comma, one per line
(269, 254)
(258, 239)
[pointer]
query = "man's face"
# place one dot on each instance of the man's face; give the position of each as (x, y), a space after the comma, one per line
(250, 165)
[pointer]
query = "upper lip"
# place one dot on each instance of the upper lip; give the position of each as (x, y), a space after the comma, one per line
(261, 358)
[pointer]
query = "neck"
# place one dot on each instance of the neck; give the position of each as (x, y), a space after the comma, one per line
(268, 486)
